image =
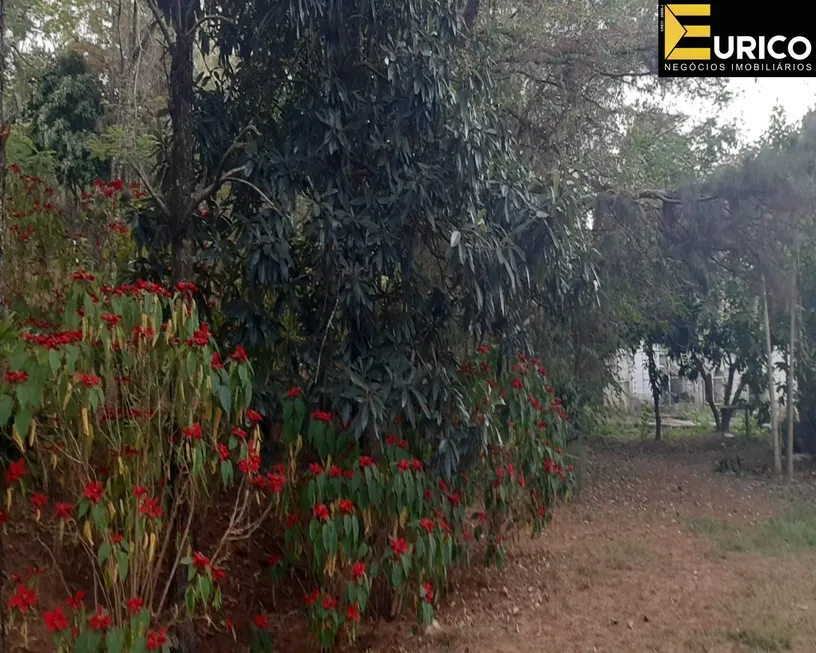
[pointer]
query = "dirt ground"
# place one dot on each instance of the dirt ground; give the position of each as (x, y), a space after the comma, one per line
(659, 553)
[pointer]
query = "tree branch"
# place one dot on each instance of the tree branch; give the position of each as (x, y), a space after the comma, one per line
(204, 19)
(156, 197)
(159, 18)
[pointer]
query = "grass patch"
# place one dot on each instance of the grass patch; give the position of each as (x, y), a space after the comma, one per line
(776, 536)
(769, 641)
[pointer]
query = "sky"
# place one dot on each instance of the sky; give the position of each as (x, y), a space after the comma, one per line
(755, 99)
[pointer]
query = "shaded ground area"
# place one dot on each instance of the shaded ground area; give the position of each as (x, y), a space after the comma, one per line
(659, 554)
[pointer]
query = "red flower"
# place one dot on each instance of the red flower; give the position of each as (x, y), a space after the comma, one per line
(261, 621)
(321, 512)
(216, 363)
(100, 621)
(427, 524)
(193, 432)
(329, 603)
(38, 500)
(55, 620)
(454, 499)
(17, 377)
(200, 561)
(218, 574)
(94, 491)
(228, 624)
(429, 593)
(321, 416)
(311, 597)
(90, 380)
(403, 465)
(276, 482)
(291, 521)
(483, 348)
(239, 433)
(353, 612)
(3, 517)
(366, 461)
(116, 538)
(274, 560)
(254, 416)
(223, 452)
(151, 508)
(111, 319)
(417, 465)
(293, 392)
(139, 491)
(75, 601)
(517, 383)
(335, 471)
(239, 355)
(24, 599)
(398, 546)
(156, 639)
(201, 337)
(316, 469)
(442, 485)
(135, 605)
(358, 571)
(346, 506)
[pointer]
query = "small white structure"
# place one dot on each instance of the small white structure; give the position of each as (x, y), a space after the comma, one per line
(633, 379)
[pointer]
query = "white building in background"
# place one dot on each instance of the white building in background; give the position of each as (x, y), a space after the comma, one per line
(633, 379)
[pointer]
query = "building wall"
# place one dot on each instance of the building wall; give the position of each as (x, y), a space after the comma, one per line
(633, 377)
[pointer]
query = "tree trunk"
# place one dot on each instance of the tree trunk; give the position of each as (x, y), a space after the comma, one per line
(771, 383)
(708, 384)
(654, 382)
(727, 413)
(4, 132)
(182, 151)
(791, 364)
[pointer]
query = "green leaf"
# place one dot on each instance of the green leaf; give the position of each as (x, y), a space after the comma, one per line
(22, 422)
(104, 553)
(55, 358)
(88, 641)
(114, 641)
(226, 471)
(225, 397)
(124, 565)
(6, 406)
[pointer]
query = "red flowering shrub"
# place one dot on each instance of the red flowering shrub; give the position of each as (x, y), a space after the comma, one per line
(135, 428)
(121, 392)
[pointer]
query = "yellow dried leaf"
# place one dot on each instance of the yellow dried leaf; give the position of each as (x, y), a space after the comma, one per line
(216, 423)
(87, 532)
(152, 551)
(32, 434)
(86, 429)
(17, 439)
(67, 396)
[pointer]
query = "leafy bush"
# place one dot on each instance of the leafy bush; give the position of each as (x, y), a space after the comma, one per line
(125, 420)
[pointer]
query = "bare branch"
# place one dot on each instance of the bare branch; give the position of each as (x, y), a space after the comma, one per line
(159, 18)
(156, 197)
(204, 19)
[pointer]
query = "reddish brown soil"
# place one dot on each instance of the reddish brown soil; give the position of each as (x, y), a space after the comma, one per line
(658, 554)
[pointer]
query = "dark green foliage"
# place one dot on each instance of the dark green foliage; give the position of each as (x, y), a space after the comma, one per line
(65, 108)
(381, 225)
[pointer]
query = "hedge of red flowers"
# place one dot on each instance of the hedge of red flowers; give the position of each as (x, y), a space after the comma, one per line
(121, 395)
